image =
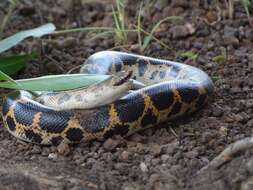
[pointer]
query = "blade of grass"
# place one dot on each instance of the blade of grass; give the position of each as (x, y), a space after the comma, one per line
(6, 18)
(12, 64)
(13, 40)
(156, 39)
(148, 38)
(139, 26)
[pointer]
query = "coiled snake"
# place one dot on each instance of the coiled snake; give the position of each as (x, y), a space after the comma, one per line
(173, 89)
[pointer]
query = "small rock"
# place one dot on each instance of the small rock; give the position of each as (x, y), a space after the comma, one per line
(231, 40)
(191, 154)
(160, 4)
(230, 31)
(53, 156)
(143, 167)
(36, 149)
(182, 31)
(165, 158)
(249, 166)
(125, 155)
(248, 184)
(250, 123)
(110, 144)
(249, 34)
(69, 42)
(63, 148)
(170, 11)
(27, 10)
(155, 149)
(180, 3)
(211, 16)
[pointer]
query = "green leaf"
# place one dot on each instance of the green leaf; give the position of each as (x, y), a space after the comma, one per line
(13, 40)
(219, 58)
(54, 82)
(12, 64)
(190, 55)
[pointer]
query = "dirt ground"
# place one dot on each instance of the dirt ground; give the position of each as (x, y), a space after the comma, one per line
(169, 156)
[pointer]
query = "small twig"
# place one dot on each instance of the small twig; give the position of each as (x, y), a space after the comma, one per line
(173, 132)
(74, 68)
(227, 154)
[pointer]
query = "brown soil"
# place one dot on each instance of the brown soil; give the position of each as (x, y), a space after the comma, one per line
(168, 156)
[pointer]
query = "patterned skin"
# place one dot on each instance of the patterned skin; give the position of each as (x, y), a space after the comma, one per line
(173, 90)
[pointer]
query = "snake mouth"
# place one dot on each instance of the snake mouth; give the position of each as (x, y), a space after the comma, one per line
(123, 78)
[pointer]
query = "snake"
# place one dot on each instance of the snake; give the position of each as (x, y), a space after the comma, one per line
(171, 90)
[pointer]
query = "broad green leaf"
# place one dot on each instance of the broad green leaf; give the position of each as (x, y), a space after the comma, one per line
(12, 64)
(13, 40)
(54, 82)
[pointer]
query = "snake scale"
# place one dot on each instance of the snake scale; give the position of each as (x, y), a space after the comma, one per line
(173, 90)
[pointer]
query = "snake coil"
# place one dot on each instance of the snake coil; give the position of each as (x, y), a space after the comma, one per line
(173, 89)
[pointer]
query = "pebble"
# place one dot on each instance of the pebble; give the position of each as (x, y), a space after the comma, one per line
(165, 158)
(27, 10)
(53, 156)
(110, 144)
(231, 40)
(182, 31)
(250, 123)
(63, 149)
(249, 166)
(170, 148)
(230, 31)
(143, 167)
(125, 155)
(249, 34)
(155, 149)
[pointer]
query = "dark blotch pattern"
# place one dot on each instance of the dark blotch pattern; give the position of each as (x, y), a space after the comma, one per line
(142, 66)
(176, 109)
(78, 98)
(149, 118)
(74, 134)
(11, 124)
(93, 120)
(34, 137)
(174, 71)
(56, 140)
(161, 95)
(64, 98)
(5, 106)
(130, 108)
(162, 74)
(188, 92)
(117, 130)
(54, 121)
(153, 75)
(201, 100)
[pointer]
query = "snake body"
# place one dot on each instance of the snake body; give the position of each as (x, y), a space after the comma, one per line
(173, 90)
